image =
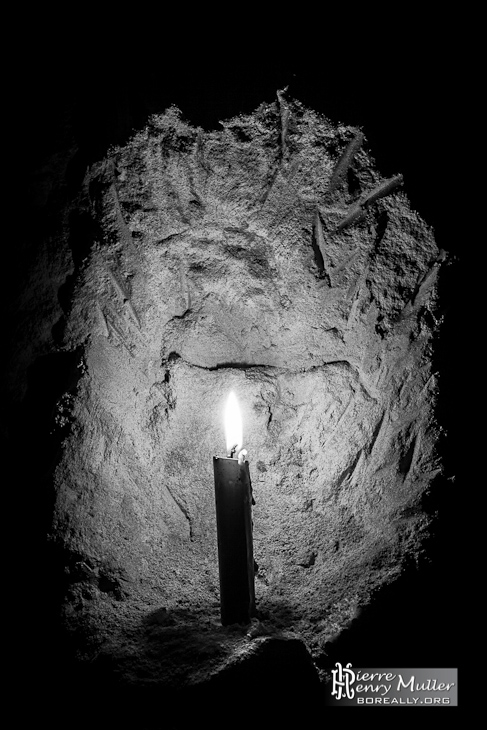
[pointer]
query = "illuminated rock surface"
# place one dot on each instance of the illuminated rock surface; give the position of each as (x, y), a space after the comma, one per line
(273, 259)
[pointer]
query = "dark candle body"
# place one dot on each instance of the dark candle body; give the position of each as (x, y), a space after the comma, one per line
(233, 497)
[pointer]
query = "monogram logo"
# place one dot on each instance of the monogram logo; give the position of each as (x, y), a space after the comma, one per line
(342, 681)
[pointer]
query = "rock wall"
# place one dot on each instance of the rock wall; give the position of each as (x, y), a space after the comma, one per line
(270, 258)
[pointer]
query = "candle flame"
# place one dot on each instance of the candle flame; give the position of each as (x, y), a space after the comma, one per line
(233, 424)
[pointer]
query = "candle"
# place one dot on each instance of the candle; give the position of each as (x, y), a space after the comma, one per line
(233, 499)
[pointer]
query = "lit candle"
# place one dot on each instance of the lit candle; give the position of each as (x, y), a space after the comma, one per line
(233, 498)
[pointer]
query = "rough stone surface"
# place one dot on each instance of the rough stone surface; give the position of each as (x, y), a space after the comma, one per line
(270, 258)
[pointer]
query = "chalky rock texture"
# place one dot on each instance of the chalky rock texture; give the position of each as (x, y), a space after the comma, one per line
(270, 258)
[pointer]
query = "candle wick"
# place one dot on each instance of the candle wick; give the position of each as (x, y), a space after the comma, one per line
(231, 451)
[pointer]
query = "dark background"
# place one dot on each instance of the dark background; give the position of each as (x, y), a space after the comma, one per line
(410, 99)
